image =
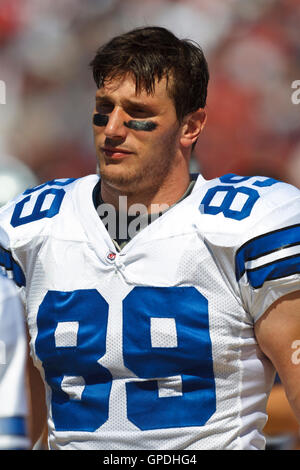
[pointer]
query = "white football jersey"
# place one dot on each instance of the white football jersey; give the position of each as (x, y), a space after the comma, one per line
(153, 347)
(13, 402)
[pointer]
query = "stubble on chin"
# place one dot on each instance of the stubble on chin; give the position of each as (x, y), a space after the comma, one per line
(146, 179)
(122, 181)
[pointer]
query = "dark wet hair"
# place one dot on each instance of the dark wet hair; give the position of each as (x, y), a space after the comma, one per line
(150, 54)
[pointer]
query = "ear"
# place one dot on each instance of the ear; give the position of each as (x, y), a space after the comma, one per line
(192, 127)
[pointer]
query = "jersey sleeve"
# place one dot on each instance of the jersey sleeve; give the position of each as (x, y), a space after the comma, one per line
(13, 399)
(253, 233)
(267, 264)
(23, 221)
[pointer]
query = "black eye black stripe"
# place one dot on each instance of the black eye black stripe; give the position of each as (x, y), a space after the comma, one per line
(101, 120)
(141, 125)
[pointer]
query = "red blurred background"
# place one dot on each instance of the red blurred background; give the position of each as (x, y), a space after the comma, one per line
(253, 50)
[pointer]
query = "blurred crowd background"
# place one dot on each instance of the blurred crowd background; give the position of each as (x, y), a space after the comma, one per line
(253, 50)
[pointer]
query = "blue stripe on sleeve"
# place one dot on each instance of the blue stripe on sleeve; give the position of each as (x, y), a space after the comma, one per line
(7, 261)
(266, 244)
(13, 426)
(278, 269)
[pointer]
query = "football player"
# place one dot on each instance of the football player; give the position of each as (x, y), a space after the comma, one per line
(15, 177)
(159, 305)
(13, 348)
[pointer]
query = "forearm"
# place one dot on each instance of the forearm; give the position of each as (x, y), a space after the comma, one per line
(278, 335)
(281, 417)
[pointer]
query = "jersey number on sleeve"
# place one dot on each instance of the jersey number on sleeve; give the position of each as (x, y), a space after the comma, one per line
(234, 202)
(47, 203)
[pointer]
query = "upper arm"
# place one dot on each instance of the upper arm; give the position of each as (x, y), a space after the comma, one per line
(278, 335)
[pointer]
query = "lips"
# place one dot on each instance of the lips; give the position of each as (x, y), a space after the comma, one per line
(114, 152)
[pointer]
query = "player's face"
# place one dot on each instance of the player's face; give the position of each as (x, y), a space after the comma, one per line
(136, 135)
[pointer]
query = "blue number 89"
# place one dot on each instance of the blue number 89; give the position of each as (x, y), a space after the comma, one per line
(189, 360)
(231, 193)
(38, 212)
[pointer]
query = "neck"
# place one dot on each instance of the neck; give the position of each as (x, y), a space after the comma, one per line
(153, 199)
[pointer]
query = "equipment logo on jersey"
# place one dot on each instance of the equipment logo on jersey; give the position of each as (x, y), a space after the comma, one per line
(111, 256)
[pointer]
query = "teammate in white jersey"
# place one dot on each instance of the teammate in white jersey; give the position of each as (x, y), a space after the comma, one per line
(13, 397)
(14, 428)
(161, 335)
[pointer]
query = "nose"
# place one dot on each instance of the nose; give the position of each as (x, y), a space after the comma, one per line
(115, 127)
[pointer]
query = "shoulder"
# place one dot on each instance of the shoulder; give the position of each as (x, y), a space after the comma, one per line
(252, 228)
(246, 206)
(37, 208)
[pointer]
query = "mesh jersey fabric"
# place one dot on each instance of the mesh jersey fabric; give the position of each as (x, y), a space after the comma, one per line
(154, 347)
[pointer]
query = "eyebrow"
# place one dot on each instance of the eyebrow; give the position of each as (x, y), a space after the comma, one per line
(127, 103)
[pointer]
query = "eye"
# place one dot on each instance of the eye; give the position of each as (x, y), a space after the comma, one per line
(139, 112)
(104, 108)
